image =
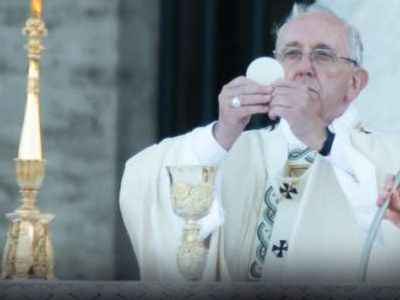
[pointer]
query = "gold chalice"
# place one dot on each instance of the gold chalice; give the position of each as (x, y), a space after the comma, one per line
(192, 193)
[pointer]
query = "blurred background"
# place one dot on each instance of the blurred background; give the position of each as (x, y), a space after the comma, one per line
(118, 76)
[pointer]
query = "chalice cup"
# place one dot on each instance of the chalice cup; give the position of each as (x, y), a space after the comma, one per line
(192, 193)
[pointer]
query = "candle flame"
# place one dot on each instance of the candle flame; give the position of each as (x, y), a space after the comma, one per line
(36, 6)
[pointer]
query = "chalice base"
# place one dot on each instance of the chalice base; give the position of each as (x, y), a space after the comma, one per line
(191, 260)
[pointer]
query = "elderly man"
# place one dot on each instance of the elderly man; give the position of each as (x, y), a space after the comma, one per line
(293, 202)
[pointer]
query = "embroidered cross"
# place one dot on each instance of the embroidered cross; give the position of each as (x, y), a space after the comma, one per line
(286, 190)
(284, 246)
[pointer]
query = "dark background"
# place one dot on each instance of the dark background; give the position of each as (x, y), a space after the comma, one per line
(204, 45)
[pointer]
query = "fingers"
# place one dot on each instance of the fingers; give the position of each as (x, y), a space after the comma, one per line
(250, 93)
(250, 110)
(380, 201)
(249, 88)
(395, 201)
(284, 83)
(277, 100)
(384, 193)
(392, 216)
(288, 84)
(389, 180)
(282, 100)
(255, 99)
(235, 115)
(393, 212)
(292, 94)
(312, 89)
(279, 111)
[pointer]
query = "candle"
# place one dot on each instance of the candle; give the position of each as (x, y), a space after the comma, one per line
(36, 8)
(30, 146)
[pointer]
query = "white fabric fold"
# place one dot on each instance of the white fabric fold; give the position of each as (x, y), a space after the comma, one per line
(354, 172)
(357, 177)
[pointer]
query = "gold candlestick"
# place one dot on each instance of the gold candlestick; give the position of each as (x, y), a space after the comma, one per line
(28, 250)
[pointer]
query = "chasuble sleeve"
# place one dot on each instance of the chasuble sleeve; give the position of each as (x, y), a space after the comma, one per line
(383, 151)
(153, 227)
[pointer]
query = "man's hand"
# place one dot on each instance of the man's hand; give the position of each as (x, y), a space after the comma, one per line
(232, 121)
(393, 211)
(300, 106)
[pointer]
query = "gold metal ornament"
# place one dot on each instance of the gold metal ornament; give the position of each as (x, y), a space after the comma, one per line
(35, 30)
(192, 193)
(28, 250)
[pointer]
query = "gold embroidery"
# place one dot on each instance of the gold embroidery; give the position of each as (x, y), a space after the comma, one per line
(296, 170)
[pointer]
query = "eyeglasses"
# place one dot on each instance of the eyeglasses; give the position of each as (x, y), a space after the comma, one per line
(323, 58)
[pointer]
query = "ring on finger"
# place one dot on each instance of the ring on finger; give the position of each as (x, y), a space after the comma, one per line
(236, 102)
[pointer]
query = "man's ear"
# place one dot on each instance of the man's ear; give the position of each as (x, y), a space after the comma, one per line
(357, 83)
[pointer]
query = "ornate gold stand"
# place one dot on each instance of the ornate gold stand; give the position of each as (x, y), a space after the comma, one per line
(28, 249)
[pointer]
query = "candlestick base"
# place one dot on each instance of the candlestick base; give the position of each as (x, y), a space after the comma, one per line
(28, 250)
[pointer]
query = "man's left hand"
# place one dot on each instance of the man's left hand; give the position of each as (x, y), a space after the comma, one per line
(393, 211)
(300, 106)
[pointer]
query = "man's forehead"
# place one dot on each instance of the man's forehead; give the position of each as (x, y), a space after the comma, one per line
(313, 29)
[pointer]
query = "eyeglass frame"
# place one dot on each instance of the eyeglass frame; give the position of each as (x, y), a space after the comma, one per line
(309, 53)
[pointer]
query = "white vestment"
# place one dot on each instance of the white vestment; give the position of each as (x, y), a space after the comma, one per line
(326, 240)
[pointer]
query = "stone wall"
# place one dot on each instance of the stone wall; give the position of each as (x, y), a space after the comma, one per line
(88, 84)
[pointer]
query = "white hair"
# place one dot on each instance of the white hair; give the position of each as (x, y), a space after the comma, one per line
(354, 44)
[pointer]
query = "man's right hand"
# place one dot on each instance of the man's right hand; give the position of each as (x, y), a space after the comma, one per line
(232, 121)
(393, 211)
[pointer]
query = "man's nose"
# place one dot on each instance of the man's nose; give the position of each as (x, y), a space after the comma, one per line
(304, 67)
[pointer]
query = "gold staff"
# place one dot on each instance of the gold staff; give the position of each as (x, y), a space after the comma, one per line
(28, 250)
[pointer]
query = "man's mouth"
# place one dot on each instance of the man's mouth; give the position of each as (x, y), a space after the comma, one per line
(311, 84)
(311, 89)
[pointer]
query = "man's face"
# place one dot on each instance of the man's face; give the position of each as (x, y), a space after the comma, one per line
(318, 30)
